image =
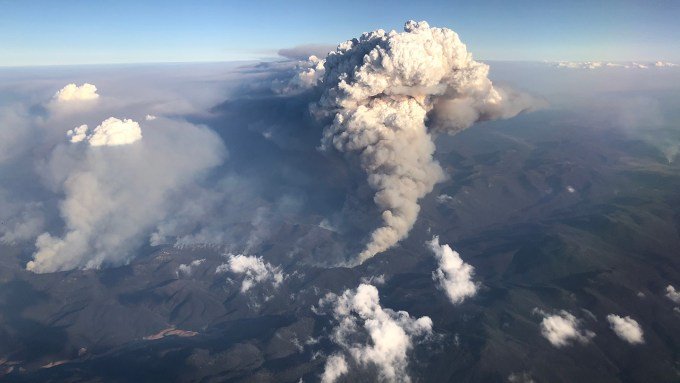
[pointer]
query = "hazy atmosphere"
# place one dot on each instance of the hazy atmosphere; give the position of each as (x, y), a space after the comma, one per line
(318, 192)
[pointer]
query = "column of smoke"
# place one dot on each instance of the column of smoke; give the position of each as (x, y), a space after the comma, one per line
(387, 93)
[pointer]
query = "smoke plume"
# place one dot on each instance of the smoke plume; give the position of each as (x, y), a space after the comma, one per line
(117, 187)
(380, 90)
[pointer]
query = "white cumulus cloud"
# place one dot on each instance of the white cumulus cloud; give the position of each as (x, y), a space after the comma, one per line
(626, 328)
(77, 134)
(673, 294)
(254, 269)
(444, 198)
(452, 275)
(581, 65)
(563, 329)
(73, 92)
(603, 65)
(186, 269)
(111, 132)
(371, 335)
(336, 366)
(662, 64)
(520, 377)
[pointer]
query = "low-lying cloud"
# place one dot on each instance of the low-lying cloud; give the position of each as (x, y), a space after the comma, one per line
(673, 294)
(453, 275)
(609, 65)
(254, 269)
(73, 92)
(563, 329)
(520, 377)
(111, 132)
(370, 335)
(335, 367)
(626, 328)
(186, 269)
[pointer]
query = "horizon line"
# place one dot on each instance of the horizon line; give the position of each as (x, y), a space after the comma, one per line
(282, 59)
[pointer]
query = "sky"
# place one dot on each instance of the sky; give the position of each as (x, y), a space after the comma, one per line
(68, 32)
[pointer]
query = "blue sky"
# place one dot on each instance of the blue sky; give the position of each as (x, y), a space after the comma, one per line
(56, 32)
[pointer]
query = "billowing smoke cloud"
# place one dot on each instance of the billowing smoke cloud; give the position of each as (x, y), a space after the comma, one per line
(307, 74)
(15, 131)
(111, 132)
(380, 90)
(371, 335)
(254, 269)
(20, 222)
(626, 328)
(94, 201)
(562, 329)
(73, 92)
(672, 294)
(115, 193)
(452, 275)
